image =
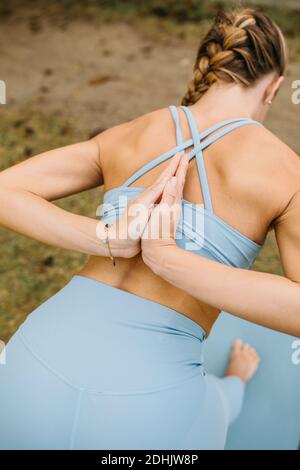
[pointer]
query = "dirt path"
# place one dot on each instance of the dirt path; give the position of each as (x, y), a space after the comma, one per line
(98, 75)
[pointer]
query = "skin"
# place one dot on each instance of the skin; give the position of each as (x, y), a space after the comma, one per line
(244, 361)
(254, 182)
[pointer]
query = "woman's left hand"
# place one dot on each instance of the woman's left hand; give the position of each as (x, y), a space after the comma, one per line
(160, 232)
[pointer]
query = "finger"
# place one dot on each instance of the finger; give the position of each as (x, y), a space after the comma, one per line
(170, 169)
(173, 191)
(183, 167)
(154, 191)
(170, 192)
(170, 208)
(181, 175)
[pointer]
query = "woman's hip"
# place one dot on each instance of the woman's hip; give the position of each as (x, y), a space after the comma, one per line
(101, 338)
(39, 409)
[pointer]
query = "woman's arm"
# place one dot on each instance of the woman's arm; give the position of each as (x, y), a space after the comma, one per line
(27, 188)
(269, 300)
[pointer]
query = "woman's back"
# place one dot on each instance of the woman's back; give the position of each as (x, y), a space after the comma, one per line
(251, 175)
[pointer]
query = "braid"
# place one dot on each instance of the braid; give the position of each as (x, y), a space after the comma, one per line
(240, 47)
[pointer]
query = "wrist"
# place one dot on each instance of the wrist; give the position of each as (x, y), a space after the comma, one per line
(167, 263)
(119, 244)
(104, 232)
(157, 255)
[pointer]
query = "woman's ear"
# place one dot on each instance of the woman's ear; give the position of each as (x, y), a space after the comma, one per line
(272, 89)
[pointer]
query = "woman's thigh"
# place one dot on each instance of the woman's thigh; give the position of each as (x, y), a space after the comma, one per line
(37, 408)
(179, 417)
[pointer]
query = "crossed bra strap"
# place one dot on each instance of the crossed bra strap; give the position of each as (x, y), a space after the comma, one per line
(197, 141)
(199, 159)
(179, 138)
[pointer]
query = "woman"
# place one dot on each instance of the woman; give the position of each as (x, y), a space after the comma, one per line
(114, 359)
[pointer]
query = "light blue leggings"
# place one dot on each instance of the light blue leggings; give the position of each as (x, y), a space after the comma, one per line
(95, 367)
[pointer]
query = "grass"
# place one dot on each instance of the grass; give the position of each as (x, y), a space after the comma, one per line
(287, 13)
(154, 19)
(30, 271)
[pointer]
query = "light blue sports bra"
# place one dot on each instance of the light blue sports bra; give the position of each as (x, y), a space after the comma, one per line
(199, 230)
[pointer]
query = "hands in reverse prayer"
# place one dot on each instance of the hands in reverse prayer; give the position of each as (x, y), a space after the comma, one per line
(148, 225)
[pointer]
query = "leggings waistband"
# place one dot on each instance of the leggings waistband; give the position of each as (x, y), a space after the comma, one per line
(155, 309)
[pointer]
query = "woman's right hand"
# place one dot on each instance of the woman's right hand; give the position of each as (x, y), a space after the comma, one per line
(125, 235)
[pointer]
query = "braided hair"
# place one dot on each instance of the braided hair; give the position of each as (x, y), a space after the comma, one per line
(241, 46)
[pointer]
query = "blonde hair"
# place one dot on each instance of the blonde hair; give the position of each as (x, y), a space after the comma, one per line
(241, 46)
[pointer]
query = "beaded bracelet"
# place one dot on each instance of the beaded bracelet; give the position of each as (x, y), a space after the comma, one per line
(105, 241)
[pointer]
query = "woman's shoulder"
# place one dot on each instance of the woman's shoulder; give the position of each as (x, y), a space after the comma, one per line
(132, 131)
(266, 149)
(127, 146)
(261, 166)
(283, 157)
(282, 164)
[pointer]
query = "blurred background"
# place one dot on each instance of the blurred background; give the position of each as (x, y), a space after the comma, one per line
(74, 68)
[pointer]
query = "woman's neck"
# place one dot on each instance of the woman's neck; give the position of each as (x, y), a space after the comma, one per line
(227, 101)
